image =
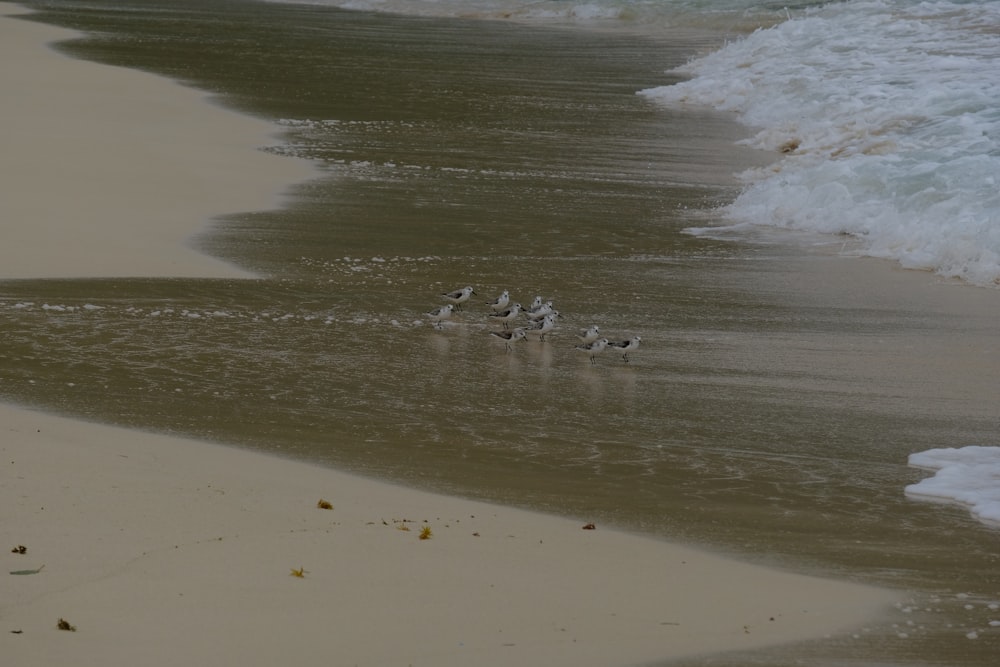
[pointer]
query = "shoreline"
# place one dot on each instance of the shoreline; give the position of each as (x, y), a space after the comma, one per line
(161, 549)
(110, 172)
(160, 546)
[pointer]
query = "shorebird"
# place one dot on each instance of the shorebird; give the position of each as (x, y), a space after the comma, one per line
(509, 337)
(594, 349)
(627, 346)
(588, 336)
(543, 326)
(439, 315)
(540, 311)
(500, 302)
(459, 296)
(508, 315)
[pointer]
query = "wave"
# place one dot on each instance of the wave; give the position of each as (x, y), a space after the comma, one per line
(887, 114)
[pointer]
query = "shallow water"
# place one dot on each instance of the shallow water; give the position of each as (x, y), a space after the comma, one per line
(769, 412)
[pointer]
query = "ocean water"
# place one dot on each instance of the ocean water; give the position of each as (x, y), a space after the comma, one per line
(788, 405)
(886, 113)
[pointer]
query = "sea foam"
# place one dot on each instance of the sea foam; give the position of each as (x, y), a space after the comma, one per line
(888, 113)
(968, 475)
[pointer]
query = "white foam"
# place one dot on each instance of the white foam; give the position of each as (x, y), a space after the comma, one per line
(890, 113)
(968, 475)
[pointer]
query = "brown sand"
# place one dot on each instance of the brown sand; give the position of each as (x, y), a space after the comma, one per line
(163, 551)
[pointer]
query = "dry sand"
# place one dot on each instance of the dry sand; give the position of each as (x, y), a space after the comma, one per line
(104, 167)
(164, 551)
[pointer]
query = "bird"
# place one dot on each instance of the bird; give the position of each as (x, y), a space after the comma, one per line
(439, 315)
(508, 315)
(543, 326)
(500, 302)
(588, 336)
(535, 303)
(540, 311)
(509, 337)
(594, 349)
(627, 346)
(459, 296)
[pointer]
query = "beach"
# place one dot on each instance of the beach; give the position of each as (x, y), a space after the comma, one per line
(162, 550)
(101, 163)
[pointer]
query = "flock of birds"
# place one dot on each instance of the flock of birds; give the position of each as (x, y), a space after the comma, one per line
(541, 319)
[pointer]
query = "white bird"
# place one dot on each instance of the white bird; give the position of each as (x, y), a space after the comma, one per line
(594, 349)
(508, 315)
(542, 327)
(588, 336)
(500, 302)
(509, 337)
(627, 346)
(439, 315)
(536, 303)
(459, 296)
(541, 311)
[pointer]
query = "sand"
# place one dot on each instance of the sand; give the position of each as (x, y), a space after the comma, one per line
(167, 551)
(103, 167)
(164, 551)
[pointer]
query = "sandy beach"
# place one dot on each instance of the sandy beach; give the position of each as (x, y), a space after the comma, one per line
(156, 550)
(103, 167)
(165, 551)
